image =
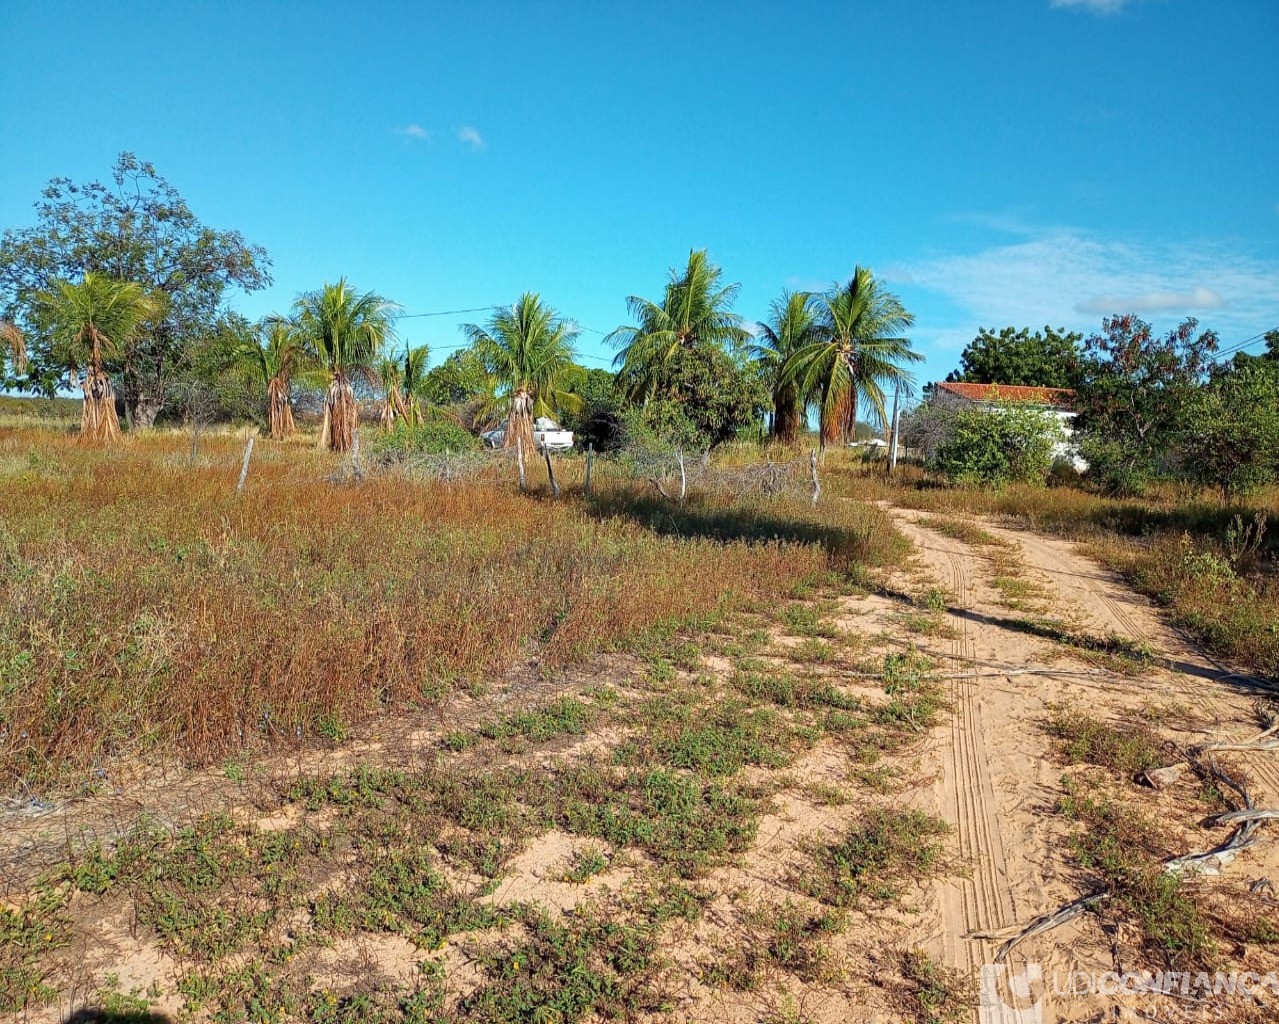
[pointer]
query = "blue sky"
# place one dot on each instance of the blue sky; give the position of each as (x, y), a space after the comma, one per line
(996, 162)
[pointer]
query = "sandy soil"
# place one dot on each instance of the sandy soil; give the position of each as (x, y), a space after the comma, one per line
(990, 770)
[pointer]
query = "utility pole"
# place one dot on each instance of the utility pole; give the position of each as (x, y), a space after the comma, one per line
(892, 439)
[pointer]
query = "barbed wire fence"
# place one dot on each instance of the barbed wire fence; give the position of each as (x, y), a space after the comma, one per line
(673, 473)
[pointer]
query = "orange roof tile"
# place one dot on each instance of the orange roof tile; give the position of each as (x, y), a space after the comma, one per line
(1061, 398)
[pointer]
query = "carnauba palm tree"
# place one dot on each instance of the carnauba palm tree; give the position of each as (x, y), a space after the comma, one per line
(793, 323)
(695, 310)
(279, 354)
(390, 375)
(528, 350)
(12, 340)
(402, 379)
(413, 380)
(860, 349)
(344, 333)
(90, 323)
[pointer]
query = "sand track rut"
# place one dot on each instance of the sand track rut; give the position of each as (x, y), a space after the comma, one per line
(1000, 779)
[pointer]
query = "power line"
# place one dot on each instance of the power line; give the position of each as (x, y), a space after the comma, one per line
(1244, 344)
(446, 312)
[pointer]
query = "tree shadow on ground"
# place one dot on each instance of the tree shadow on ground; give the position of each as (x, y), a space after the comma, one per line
(748, 521)
(95, 1015)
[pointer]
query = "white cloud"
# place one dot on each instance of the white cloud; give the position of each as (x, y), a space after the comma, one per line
(1093, 6)
(470, 136)
(1154, 302)
(1067, 277)
(413, 131)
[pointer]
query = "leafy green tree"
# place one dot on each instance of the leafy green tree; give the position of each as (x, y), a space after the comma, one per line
(716, 394)
(344, 333)
(136, 228)
(1132, 395)
(1047, 359)
(528, 349)
(860, 350)
(460, 378)
(1229, 434)
(695, 313)
(598, 419)
(794, 323)
(214, 380)
(87, 324)
(1009, 444)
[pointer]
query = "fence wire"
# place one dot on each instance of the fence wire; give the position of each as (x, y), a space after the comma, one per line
(672, 472)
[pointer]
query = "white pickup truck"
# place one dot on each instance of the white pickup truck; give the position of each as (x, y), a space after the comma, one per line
(547, 435)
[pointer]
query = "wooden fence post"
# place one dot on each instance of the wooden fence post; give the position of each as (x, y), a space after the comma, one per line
(590, 461)
(550, 472)
(519, 460)
(244, 466)
(812, 469)
(355, 454)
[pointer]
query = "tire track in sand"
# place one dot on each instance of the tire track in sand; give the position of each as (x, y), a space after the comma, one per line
(1118, 610)
(981, 900)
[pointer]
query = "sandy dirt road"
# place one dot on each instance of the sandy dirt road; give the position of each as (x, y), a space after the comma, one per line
(999, 779)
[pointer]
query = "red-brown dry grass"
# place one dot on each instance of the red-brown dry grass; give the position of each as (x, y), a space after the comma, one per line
(146, 609)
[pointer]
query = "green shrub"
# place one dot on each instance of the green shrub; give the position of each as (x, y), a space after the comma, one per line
(434, 437)
(1006, 444)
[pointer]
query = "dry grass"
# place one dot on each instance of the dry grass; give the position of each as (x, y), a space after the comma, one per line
(145, 608)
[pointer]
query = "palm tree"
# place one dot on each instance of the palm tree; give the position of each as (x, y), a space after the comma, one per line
(694, 311)
(402, 379)
(11, 337)
(859, 350)
(89, 323)
(344, 333)
(528, 349)
(389, 376)
(280, 352)
(413, 380)
(794, 323)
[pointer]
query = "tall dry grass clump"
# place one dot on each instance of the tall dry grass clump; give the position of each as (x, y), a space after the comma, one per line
(144, 608)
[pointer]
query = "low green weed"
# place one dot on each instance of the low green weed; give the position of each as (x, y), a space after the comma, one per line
(876, 859)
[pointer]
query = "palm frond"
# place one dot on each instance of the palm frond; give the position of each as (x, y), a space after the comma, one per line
(11, 336)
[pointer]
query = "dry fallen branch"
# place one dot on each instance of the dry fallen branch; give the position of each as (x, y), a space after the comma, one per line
(1267, 739)
(1041, 924)
(1210, 862)
(1250, 814)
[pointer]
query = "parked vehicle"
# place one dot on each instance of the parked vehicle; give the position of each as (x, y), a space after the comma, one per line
(547, 435)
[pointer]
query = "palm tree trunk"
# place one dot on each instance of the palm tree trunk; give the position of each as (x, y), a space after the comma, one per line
(786, 415)
(835, 422)
(519, 425)
(99, 423)
(279, 412)
(341, 413)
